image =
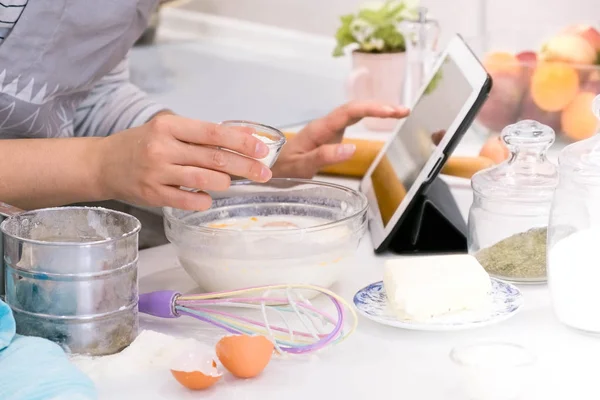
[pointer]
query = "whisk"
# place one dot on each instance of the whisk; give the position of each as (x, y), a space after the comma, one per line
(208, 308)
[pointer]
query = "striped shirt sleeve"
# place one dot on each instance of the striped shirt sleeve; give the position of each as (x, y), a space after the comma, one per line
(113, 105)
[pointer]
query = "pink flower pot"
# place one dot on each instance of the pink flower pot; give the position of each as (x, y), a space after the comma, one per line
(377, 77)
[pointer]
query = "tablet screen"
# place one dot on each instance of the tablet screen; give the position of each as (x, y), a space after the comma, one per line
(415, 142)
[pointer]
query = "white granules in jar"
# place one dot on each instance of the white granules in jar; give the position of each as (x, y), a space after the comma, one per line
(263, 139)
(573, 276)
(269, 160)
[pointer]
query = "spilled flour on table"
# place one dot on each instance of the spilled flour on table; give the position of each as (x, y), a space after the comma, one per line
(150, 351)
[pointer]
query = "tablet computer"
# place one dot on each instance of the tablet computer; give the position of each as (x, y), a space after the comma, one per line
(443, 111)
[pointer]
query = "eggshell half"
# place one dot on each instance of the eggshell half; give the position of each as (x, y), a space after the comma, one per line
(195, 368)
(195, 380)
(244, 356)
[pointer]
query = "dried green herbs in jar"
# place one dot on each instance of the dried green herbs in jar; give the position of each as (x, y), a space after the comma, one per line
(521, 256)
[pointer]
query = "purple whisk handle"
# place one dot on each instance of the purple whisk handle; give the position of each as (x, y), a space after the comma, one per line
(160, 304)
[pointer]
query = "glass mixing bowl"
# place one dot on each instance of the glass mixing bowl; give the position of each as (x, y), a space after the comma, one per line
(286, 231)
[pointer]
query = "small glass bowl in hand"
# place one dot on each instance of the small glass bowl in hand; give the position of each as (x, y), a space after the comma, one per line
(272, 137)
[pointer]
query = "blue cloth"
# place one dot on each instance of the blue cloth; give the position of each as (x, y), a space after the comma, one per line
(32, 368)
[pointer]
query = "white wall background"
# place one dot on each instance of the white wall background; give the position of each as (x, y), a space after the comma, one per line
(512, 24)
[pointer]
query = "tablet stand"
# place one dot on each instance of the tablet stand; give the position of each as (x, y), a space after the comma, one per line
(434, 224)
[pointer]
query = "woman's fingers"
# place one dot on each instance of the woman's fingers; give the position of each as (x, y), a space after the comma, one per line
(306, 165)
(185, 200)
(152, 162)
(238, 139)
(222, 160)
(196, 178)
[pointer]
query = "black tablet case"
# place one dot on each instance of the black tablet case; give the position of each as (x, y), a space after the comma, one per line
(433, 224)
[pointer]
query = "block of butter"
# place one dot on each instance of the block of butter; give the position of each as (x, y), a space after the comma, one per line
(424, 287)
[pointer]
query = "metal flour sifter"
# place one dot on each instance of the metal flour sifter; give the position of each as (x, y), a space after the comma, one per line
(70, 276)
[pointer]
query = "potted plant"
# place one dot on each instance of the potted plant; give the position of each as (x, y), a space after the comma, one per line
(378, 56)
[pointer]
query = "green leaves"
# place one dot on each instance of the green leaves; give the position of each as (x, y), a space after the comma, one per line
(343, 35)
(394, 41)
(374, 28)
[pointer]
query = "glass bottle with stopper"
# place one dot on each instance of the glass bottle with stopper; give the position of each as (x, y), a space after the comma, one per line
(574, 235)
(421, 36)
(511, 205)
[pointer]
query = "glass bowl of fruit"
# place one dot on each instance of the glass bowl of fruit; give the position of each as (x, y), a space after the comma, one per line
(554, 85)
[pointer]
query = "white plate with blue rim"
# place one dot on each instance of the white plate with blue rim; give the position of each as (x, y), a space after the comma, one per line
(507, 300)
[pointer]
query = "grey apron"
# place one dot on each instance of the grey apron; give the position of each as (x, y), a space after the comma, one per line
(53, 57)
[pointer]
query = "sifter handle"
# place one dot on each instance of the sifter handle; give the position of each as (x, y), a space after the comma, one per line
(6, 210)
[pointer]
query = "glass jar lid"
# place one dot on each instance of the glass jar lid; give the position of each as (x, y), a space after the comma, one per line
(527, 175)
(584, 156)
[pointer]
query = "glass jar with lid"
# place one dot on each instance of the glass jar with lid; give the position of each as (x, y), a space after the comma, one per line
(574, 235)
(508, 219)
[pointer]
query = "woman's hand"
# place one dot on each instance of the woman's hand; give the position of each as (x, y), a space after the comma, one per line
(318, 144)
(148, 165)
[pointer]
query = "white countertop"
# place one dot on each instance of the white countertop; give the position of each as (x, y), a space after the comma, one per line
(377, 361)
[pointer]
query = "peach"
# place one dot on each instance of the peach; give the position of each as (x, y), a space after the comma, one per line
(528, 60)
(529, 110)
(495, 149)
(527, 57)
(587, 32)
(592, 84)
(569, 48)
(554, 85)
(578, 119)
(503, 103)
(501, 62)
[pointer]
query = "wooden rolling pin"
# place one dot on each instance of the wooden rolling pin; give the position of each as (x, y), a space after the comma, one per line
(367, 150)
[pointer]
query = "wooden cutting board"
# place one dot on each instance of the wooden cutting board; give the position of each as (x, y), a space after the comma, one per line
(367, 150)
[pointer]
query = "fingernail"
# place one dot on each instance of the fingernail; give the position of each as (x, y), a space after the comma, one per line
(265, 174)
(261, 150)
(346, 150)
(402, 109)
(389, 109)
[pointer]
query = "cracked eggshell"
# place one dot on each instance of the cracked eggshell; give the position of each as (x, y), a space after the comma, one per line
(195, 368)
